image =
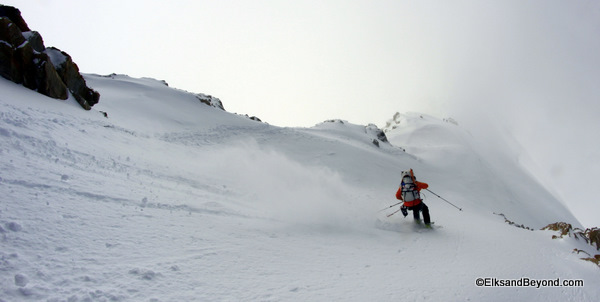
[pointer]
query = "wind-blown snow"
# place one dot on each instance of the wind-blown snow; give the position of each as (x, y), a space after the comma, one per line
(169, 199)
(489, 179)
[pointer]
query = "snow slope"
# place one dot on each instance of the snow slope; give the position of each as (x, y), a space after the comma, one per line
(169, 199)
(469, 172)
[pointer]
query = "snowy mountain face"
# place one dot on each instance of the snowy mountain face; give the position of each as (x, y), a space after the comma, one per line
(490, 181)
(168, 199)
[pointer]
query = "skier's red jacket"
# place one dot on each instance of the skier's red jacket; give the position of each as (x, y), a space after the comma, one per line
(420, 186)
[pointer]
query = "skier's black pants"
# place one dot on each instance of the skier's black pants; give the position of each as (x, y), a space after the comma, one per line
(423, 208)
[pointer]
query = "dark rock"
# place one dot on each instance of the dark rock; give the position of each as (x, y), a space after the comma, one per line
(594, 236)
(22, 64)
(69, 73)
(210, 100)
(379, 134)
(6, 54)
(253, 118)
(25, 60)
(26, 64)
(49, 82)
(10, 33)
(562, 227)
(14, 14)
(10, 66)
(35, 39)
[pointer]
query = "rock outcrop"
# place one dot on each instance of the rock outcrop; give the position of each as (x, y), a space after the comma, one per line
(25, 60)
(210, 100)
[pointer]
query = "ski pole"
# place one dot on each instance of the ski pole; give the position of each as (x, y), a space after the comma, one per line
(391, 206)
(444, 199)
(388, 215)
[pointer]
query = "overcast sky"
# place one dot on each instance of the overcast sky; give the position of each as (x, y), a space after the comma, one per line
(530, 69)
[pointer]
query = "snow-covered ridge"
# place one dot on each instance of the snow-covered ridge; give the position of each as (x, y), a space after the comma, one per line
(468, 170)
(169, 199)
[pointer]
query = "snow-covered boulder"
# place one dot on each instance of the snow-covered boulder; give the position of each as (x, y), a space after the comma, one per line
(210, 101)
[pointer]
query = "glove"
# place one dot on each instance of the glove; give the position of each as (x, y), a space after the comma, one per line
(404, 211)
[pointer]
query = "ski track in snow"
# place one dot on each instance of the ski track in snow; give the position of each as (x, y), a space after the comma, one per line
(95, 210)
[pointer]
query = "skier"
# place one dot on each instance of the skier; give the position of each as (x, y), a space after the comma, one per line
(409, 192)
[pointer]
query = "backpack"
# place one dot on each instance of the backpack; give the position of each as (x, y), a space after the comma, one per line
(409, 188)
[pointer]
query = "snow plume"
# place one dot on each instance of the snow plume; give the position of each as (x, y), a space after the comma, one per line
(284, 189)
